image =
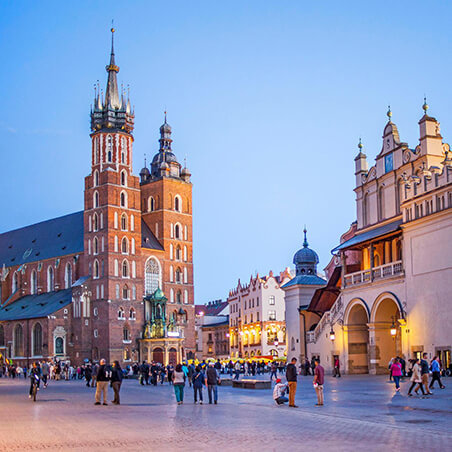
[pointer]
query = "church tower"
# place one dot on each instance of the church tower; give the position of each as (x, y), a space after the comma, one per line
(112, 223)
(166, 206)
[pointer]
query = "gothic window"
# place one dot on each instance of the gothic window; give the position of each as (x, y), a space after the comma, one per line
(109, 148)
(116, 268)
(381, 202)
(116, 244)
(15, 284)
(50, 280)
(123, 200)
(123, 150)
(121, 315)
(132, 223)
(172, 296)
(132, 314)
(132, 247)
(152, 276)
(185, 253)
(96, 269)
(186, 296)
(178, 253)
(96, 222)
(178, 297)
(125, 269)
(59, 346)
(134, 269)
(115, 221)
(96, 178)
(178, 275)
(134, 292)
(124, 246)
(184, 317)
(124, 222)
(151, 204)
(185, 275)
(37, 340)
(177, 203)
(365, 210)
(123, 178)
(117, 291)
(18, 341)
(68, 276)
(96, 199)
(125, 292)
(95, 246)
(177, 231)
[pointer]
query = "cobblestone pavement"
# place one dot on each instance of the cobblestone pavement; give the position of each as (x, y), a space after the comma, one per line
(360, 413)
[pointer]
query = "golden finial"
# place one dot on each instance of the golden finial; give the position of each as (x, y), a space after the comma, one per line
(360, 145)
(389, 112)
(425, 106)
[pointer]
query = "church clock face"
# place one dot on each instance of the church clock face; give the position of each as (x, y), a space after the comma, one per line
(388, 163)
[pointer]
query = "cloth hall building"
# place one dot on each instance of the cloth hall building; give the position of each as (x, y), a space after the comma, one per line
(115, 280)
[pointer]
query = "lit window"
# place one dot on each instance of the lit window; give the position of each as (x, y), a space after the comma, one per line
(271, 315)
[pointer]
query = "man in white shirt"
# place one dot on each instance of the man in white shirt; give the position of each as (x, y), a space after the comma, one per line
(278, 392)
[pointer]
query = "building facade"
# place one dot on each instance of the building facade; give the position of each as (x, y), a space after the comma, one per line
(257, 324)
(83, 286)
(215, 337)
(395, 290)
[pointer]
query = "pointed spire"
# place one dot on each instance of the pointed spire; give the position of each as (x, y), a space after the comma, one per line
(305, 242)
(112, 95)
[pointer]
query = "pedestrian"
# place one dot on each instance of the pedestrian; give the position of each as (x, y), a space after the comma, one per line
(319, 380)
(416, 378)
(279, 392)
(237, 370)
(179, 383)
(95, 369)
(273, 370)
(198, 380)
(390, 367)
(337, 370)
(191, 372)
(35, 377)
(88, 375)
(212, 380)
(436, 373)
(424, 373)
(103, 377)
(291, 376)
(396, 372)
(45, 373)
(170, 372)
(116, 380)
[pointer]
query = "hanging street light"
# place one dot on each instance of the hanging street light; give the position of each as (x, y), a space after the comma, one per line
(332, 335)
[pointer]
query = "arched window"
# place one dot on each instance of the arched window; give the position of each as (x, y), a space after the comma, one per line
(124, 246)
(365, 210)
(15, 284)
(171, 273)
(178, 275)
(115, 220)
(115, 244)
(134, 292)
(125, 292)
(125, 269)
(50, 280)
(186, 296)
(177, 203)
(132, 314)
(178, 297)
(177, 231)
(33, 283)
(151, 276)
(121, 315)
(185, 253)
(123, 202)
(68, 276)
(124, 222)
(126, 355)
(132, 246)
(96, 199)
(151, 204)
(117, 291)
(185, 275)
(96, 222)
(18, 341)
(59, 346)
(95, 246)
(126, 334)
(116, 268)
(178, 253)
(172, 296)
(37, 340)
(123, 178)
(96, 269)
(381, 204)
(184, 317)
(96, 178)
(109, 148)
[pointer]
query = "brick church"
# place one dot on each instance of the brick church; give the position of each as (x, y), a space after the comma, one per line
(115, 280)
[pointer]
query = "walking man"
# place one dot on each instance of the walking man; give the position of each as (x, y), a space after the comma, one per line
(337, 370)
(273, 370)
(424, 373)
(103, 376)
(436, 373)
(319, 380)
(45, 373)
(291, 376)
(212, 381)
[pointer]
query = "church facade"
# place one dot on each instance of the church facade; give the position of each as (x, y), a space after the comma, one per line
(115, 280)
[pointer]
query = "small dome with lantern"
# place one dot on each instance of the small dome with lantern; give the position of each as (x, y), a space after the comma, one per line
(306, 259)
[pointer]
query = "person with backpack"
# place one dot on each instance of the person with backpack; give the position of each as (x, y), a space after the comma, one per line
(179, 383)
(212, 380)
(198, 380)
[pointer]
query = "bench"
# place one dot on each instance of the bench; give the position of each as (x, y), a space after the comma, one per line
(225, 381)
(252, 384)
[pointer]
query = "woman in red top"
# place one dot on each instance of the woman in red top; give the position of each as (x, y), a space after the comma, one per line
(396, 371)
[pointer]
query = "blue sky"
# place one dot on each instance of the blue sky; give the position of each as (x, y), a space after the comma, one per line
(267, 100)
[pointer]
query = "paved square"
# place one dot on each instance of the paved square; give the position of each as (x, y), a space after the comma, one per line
(361, 413)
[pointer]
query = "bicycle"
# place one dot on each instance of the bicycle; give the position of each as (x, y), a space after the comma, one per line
(35, 387)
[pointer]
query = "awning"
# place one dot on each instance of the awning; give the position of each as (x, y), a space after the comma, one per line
(324, 298)
(369, 235)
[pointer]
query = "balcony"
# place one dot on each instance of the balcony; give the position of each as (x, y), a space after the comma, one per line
(375, 274)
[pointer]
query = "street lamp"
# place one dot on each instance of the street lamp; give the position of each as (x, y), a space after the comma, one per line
(276, 343)
(332, 335)
(393, 329)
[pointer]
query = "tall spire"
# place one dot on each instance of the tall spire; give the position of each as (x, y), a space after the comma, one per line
(305, 242)
(112, 94)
